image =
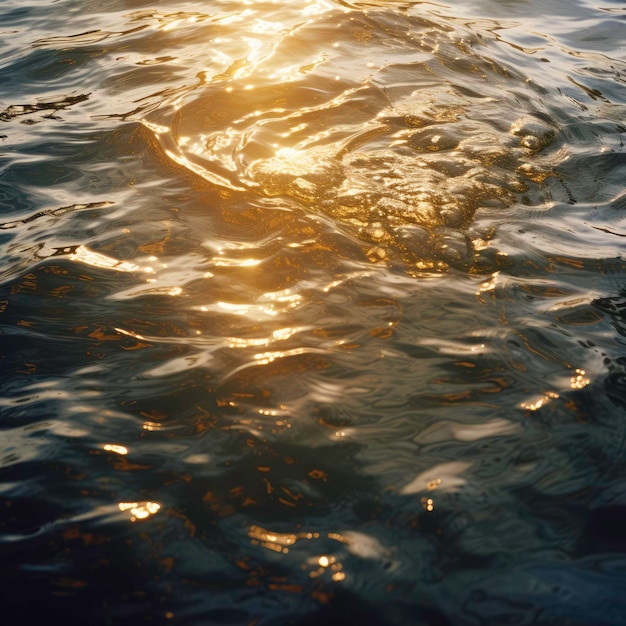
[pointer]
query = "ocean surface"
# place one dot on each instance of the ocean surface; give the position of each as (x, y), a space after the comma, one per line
(313, 312)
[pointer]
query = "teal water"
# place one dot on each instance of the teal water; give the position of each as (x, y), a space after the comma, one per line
(313, 312)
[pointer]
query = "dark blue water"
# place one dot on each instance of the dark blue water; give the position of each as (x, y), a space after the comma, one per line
(313, 312)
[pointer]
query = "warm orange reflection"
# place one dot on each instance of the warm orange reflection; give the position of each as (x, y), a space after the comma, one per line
(327, 564)
(324, 561)
(226, 262)
(489, 285)
(283, 539)
(537, 403)
(139, 510)
(269, 357)
(110, 447)
(279, 334)
(579, 380)
(428, 504)
(296, 164)
(277, 542)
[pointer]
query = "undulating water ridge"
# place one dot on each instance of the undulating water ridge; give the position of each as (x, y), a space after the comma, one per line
(313, 312)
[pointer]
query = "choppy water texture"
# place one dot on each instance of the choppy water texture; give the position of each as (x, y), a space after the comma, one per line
(313, 312)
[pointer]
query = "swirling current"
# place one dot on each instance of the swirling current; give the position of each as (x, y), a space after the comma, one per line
(313, 312)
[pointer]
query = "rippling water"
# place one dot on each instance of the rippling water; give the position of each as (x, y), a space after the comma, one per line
(313, 312)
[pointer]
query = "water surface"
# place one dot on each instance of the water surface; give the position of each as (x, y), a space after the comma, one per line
(313, 312)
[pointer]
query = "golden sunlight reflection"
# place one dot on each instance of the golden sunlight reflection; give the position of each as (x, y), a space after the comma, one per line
(489, 285)
(298, 162)
(537, 403)
(203, 172)
(129, 333)
(157, 129)
(266, 358)
(263, 26)
(111, 447)
(82, 254)
(318, 7)
(268, 305)
(428, 504)
(157, 277)
(139, 510)
(446, 476)
(226, 262)
(280, 334)
(326, 563)
(579, 380)
(277, 542)
(240, 16)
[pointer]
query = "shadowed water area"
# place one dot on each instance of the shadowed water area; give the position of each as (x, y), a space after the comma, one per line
(313, 312)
